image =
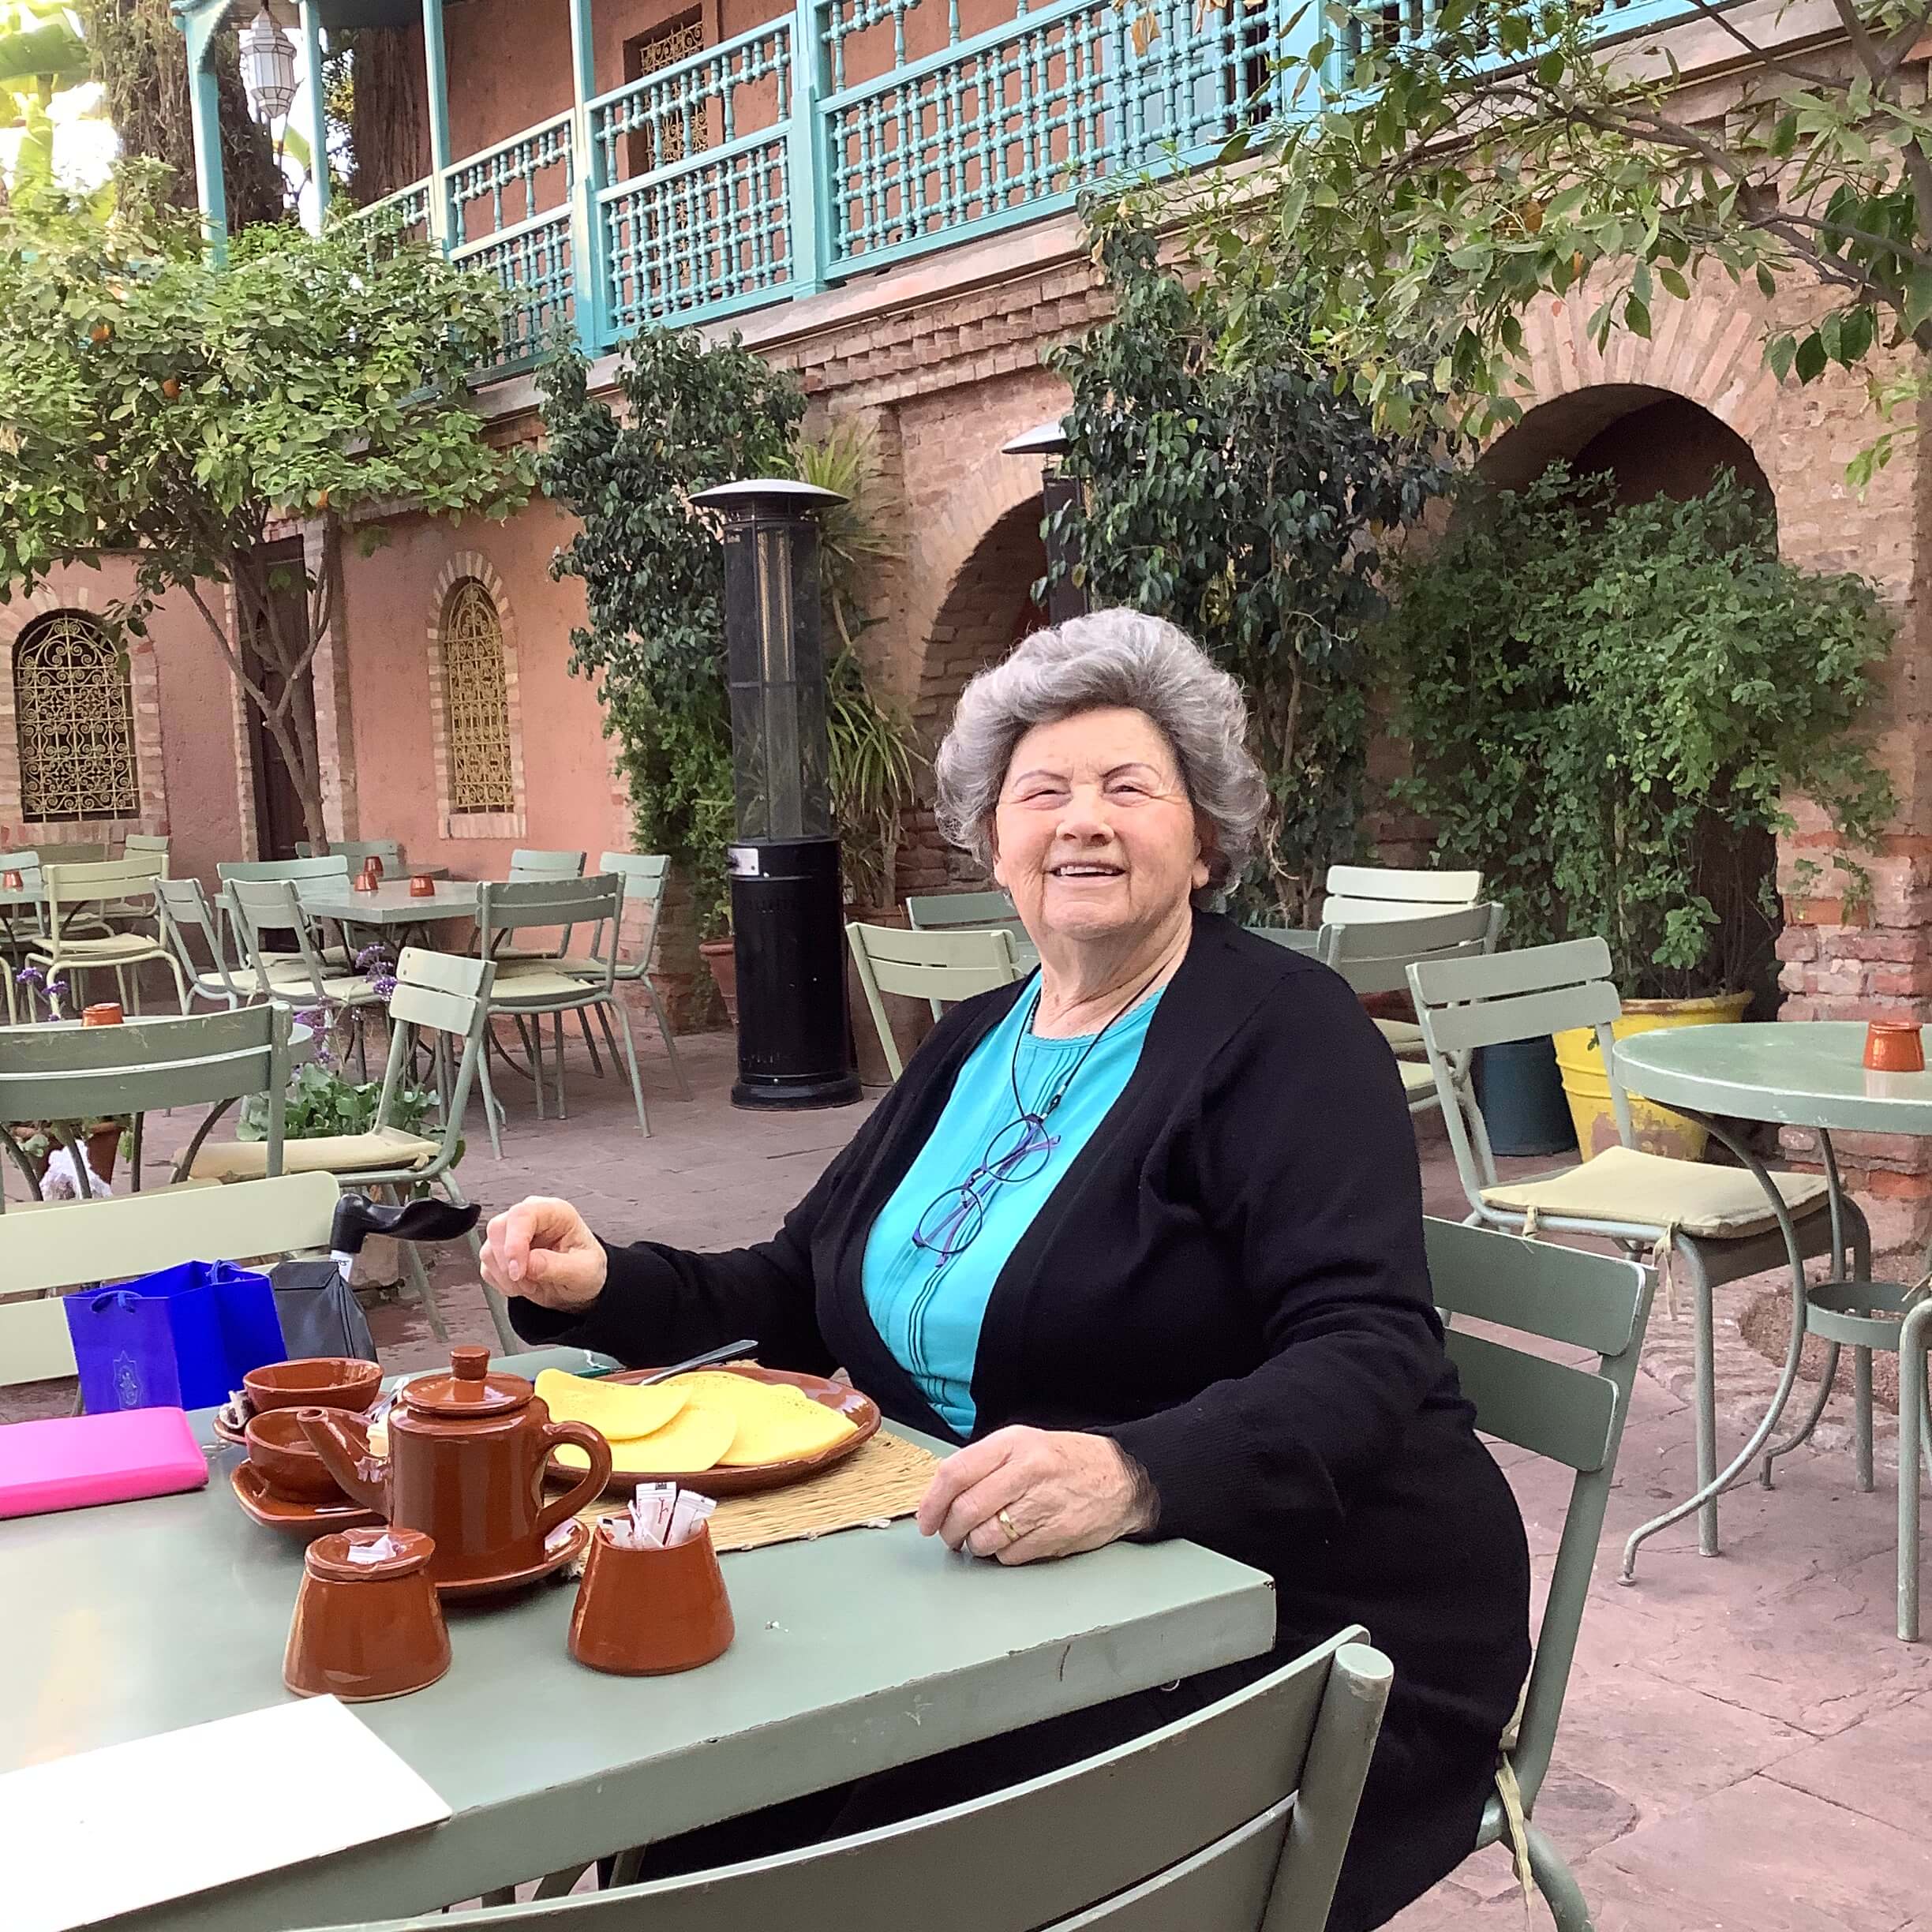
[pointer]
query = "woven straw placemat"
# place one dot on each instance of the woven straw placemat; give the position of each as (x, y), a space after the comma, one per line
(871, 1487)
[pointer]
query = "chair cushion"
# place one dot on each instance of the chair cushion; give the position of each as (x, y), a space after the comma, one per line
(1416, 1079)
(527, 987)
(1404, 1036)
(120, 949)
(248, 1160)
(347, 989)
(578, 965)
(1652, 1190)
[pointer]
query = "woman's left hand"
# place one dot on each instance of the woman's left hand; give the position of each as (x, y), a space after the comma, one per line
(1020, 1494)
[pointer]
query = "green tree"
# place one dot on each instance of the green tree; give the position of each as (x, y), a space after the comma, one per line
(1231, 486)
(42, 54)
(162, 408)
(1607, 704)
(1424, 190)
(652, 568)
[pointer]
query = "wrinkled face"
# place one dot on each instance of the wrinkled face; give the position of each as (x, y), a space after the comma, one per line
(1094, 834)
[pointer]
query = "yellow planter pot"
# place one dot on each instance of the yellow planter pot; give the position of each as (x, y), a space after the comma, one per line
(1586, 1086)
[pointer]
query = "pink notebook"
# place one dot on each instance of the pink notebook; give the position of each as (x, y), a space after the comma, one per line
(69, 1462)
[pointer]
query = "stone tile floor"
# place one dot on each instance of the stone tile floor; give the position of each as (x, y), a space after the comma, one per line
(1745, 1741)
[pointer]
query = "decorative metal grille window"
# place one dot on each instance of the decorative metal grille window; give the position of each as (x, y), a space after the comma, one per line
(681, 131)
(74, 715)
(476, 700)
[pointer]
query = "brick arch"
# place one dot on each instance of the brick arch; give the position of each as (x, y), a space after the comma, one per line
(451, 824)
(144, 684)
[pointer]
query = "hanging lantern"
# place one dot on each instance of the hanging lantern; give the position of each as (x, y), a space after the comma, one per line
(267, 69)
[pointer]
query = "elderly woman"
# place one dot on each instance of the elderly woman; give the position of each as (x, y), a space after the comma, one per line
(1142, 1233)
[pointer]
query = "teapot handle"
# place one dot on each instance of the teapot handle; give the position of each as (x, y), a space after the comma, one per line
(591, 1488)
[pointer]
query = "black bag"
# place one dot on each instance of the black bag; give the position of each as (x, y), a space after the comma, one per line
(320, 1313)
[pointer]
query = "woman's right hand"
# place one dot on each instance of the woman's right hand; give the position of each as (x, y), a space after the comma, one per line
(542, 1250)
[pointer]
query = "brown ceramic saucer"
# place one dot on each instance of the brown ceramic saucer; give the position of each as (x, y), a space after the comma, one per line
(862, 1411)
(568, 1551)
(307, 1520)
(227, 1428)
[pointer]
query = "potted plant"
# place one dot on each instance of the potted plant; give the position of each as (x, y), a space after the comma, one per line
(1606, 704)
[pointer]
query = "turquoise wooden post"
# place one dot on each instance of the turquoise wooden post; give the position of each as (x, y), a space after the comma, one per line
(318, 111)
(589, 271)
(805, 160)
(437, 71)
(204, 114)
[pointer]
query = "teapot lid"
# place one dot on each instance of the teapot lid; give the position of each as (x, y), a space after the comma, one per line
(469, 1389)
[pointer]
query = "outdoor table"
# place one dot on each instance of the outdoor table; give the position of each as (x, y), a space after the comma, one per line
(1808, 1074)
(390, 904)
(854, 1653)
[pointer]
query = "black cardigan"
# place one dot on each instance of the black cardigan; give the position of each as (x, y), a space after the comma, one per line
(1229, 1280)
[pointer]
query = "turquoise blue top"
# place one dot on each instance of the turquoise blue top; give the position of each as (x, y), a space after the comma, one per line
(928, 1308)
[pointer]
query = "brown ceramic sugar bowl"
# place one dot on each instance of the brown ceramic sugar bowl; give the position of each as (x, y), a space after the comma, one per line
(649, 1612)
(287, 1463)
(1894, 1046)
(315, 1382)
(367, 1629)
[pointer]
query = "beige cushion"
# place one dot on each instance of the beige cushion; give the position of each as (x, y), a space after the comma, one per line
(1404, 1036)
(349, 989)
(578, 965)
(528, 986)
(248, 1160)
(1416, 1078)
(124, 949)
(1652, 1190)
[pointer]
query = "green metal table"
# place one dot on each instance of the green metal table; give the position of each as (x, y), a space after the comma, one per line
(855, 1652)
(1811, 1074)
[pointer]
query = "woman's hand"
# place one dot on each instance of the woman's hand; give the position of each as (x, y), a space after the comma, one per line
(1019, 1495)
(542, 1250)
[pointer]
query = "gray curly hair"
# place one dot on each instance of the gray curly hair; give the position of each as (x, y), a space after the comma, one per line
(1111, 658)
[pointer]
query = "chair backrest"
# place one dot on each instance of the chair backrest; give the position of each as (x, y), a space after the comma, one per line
(130, 881)
(643, 877)
(560, 902)
(327, 874)
(444, 994)
(1567, 1411)
(527, 863)
(1235, 1817)
(1373, 956)
(213, 1060)
(935, 966)
(946, 911)
(1463, 1004)
(184, 911)
(1394, 891)
(355, 851)
(259, 906)
(79, 1243)
(74, 853)
(1290, 938)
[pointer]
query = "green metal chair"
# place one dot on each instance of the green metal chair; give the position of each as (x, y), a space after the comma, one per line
(1572, 1414)
(78, 943)
(353, 852)
(307, 976)
(948, 911)
(187, 916)
(76, 1074)
(328, 874)
(440, 1000)
(936, 967)
(529, 989)
(1233, 1819)
(1715, 1221)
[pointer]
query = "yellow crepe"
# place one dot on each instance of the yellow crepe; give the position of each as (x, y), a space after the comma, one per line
(617, 1410)
(694, 1439)
(776, 1421)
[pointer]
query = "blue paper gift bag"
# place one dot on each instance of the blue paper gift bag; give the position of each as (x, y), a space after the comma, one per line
(181, 1338)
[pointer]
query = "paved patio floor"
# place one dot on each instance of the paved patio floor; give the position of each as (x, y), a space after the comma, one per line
(1745, 1742)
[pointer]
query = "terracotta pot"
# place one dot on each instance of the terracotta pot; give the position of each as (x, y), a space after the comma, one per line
(314, 1382)
(722, 957)
(1894, 1046)
(289, 1465)
(363, 1631)
(104, 1013)
(103, 1142)
(467, 1454)
(650, 1612)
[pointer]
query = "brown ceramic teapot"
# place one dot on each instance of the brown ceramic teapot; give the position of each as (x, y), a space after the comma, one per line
(467, 1453)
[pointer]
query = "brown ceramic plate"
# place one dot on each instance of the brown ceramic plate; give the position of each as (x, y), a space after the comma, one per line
(862, 1411)
(306, 1520)
(567, 1551)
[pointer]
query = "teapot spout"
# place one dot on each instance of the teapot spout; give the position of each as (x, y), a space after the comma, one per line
(344, 1449)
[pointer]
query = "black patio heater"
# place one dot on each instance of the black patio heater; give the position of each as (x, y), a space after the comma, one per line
(795, 1045)
(1049, 442)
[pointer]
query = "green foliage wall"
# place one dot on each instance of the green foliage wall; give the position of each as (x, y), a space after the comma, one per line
(1232, 490)
(1608, 702)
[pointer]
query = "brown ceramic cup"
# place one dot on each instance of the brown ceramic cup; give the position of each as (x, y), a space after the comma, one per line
(315, 1382)
(649, 1612)
(1894, 1046)
(363, 1631)
(422, 886)
(104, 1013)
(287, 1463)
(372, 865)
(12, 882)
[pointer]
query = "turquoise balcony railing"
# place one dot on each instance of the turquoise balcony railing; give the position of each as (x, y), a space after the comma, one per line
(846, 136)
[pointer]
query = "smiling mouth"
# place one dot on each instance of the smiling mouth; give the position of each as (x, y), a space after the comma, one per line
(1084, 871)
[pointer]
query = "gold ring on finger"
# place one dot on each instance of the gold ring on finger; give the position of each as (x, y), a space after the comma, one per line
(1013, 1531)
